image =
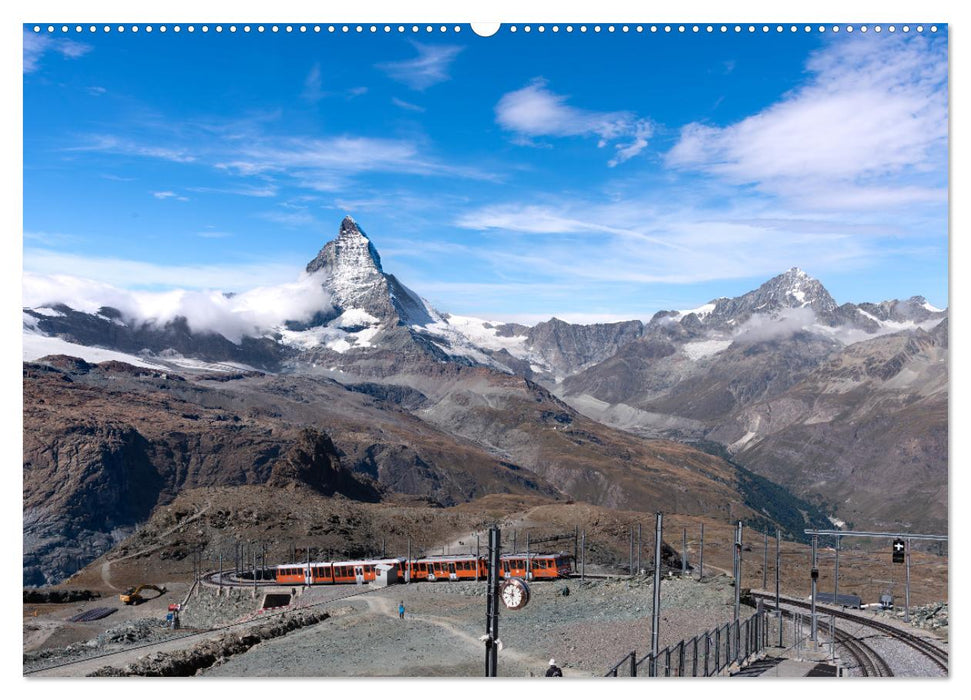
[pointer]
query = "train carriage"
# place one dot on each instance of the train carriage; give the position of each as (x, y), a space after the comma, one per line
(536, 566)
(435, 568)
(448, 568)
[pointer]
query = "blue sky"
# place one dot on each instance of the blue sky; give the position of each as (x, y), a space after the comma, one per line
(583, 175)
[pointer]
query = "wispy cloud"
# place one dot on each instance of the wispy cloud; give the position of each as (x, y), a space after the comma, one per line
(868, 129)
(36, 45)
(138, 274)
(342, 155)
(430, 67)
(645, 242)
(313, 85)
(294, 219)
(167, 194)
(265, 191)
(214, 234)
(535, 111)
(123, 146)
(406, 105)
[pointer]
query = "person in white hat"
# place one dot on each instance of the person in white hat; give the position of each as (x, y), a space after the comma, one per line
(554, 671)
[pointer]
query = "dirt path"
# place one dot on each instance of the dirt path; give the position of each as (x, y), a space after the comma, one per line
(386, 606)
(105, 569)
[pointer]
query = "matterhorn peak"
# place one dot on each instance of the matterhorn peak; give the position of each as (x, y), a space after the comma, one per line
(355, 281)
(351, 254)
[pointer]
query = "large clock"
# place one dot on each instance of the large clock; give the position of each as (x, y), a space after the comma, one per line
(514, 593)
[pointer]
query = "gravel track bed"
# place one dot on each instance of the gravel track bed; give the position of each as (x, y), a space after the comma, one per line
(904, 660)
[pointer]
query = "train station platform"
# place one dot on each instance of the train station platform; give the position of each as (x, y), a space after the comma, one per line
(782, 665)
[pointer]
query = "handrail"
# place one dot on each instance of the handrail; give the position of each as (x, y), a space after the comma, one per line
(732, 643)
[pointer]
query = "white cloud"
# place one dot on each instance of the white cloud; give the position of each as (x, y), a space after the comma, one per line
(168, 194)
(869, 128)
(248, 313)
(325, 161)
(763, 327)
(289, 218)
(214, 234)
(406, 105)
(429, 68)
(312, 85)
(36, 45)
(534, 111)
(643, 242)
(122, 146)
(244, 191)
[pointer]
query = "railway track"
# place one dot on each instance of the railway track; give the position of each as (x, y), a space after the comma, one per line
(929, 650)
(868, 662)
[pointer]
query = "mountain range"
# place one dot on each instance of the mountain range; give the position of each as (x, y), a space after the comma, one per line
(374, 394)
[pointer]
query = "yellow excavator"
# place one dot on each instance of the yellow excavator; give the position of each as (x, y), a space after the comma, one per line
(133, 596)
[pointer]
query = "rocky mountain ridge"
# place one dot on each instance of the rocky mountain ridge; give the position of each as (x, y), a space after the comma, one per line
(409, 400)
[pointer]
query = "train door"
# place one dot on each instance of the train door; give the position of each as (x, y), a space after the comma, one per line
(307, 577)
(359, 574)
(451, 571)
(505, 568)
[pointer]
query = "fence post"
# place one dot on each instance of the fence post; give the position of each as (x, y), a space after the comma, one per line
(718, 644)
(633, 664)
(681, 659)
(694, 657)
(667, 662)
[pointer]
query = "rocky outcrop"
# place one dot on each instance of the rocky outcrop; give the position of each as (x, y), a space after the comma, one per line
(312, 461)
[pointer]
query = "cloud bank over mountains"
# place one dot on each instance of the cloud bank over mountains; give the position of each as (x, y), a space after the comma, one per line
(250, 313)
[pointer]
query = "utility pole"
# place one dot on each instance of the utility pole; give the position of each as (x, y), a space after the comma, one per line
(738, 586)
(907, 595)
(778, 575)
(737, 570)
(492, 605)
(476, 556)
(814, 576)
(836, 574)
(411, 571)
(528, 569)
(656, 611)
(576, 543)
(701, 554)
(630, 560)
(684, 551)
(638, 548)
(583, 552)
(765, 557)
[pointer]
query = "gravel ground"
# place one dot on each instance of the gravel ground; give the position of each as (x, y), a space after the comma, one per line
(115, 638)
(586, 631)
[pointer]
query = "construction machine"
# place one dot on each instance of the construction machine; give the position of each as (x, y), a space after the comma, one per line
(133, 596)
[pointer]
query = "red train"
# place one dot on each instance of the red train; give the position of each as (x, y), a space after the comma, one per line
(437, 568)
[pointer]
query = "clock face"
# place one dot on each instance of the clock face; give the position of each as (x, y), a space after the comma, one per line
(515, 594)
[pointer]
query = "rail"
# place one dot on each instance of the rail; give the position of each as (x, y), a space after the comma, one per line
(704, 655)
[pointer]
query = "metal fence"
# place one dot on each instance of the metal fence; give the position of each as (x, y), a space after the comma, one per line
(703, 655)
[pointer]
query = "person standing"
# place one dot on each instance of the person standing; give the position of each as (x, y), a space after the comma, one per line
(554, 671)
(401, 610)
